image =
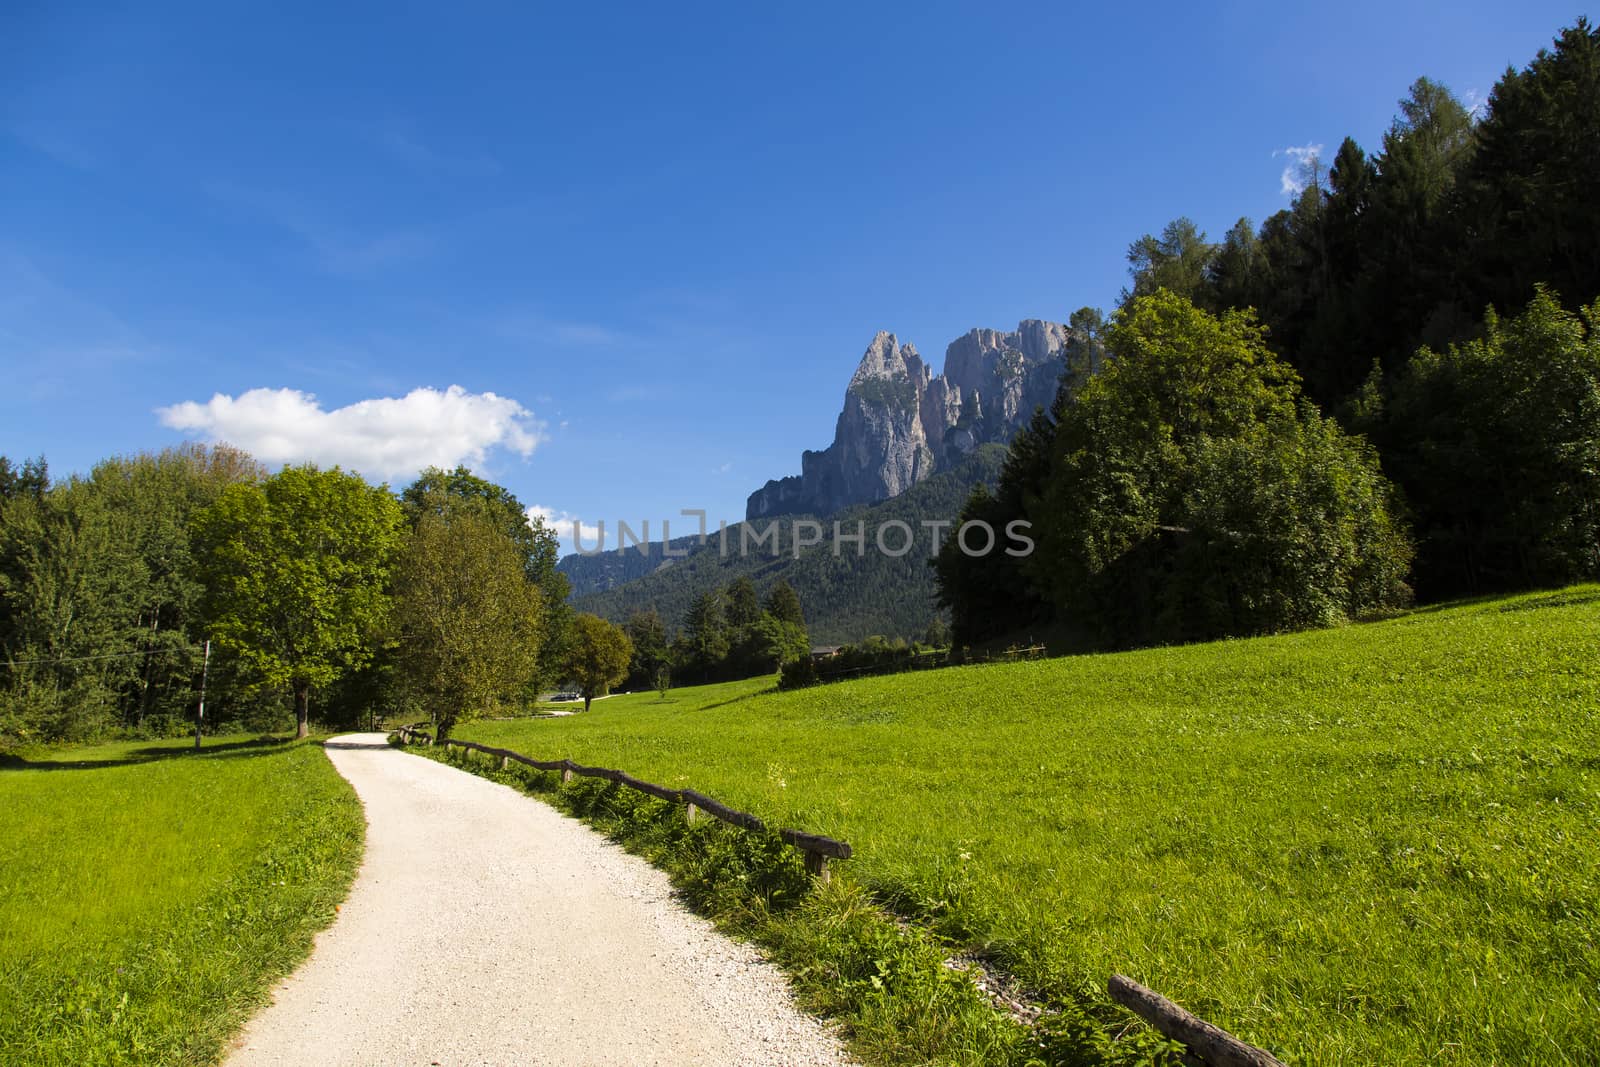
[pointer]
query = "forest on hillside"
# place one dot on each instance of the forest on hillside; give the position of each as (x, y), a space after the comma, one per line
(848, 596)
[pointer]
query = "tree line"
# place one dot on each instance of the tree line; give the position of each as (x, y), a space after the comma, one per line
(1391, 388)
(726, 633)
(120, 589)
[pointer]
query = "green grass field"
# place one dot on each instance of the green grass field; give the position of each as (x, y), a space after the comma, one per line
(1376, 844)
(148, 896)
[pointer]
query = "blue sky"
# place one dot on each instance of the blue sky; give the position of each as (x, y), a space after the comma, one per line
(660, 236)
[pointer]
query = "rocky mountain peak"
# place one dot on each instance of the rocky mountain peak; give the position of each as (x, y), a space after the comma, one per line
(901, 423)
(887, 360)
(980, 359)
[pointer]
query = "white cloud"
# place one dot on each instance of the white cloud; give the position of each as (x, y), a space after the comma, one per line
(387, 437)
(562, 523)
(1293, 180)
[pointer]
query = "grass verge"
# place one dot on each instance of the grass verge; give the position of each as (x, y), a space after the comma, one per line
(150, 894)
(1374, 844)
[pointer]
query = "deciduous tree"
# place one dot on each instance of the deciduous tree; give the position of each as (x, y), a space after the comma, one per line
(296, 569)
(597, 656)
(469, 620)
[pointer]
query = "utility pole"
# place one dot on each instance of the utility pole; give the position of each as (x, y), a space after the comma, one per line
(205, 669)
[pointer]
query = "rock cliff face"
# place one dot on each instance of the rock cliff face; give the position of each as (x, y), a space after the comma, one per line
(901, 423)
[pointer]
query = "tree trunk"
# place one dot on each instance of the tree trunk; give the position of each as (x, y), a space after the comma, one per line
(302, 709)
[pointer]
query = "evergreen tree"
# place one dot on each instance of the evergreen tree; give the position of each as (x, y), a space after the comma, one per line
(1531, 192)
(1178, 260)
(651, 648)
(783, 604)
(742, 607)
(705, 632)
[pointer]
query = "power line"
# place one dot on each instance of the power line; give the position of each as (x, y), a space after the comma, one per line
(107, 655)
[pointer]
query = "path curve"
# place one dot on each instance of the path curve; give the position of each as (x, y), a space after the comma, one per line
(485, 927)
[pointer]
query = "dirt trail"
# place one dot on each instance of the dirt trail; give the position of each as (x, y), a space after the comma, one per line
(487, 928)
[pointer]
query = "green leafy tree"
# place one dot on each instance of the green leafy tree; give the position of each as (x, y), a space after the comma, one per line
(469, 621)
(597, 656)
(440, 491)
(1187, 474)
(99, 595)
(1497, 444)
(296, 569)
(775, 642)
(25, 482)
(155, 497)
(1286, 526)
(538, 546)
(1412, 237)
(69, 599)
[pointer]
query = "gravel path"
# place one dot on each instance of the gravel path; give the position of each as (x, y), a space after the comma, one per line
(487, 928)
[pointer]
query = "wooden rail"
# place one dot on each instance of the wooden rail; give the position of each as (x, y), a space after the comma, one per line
(1207, 1044)
(818, 850)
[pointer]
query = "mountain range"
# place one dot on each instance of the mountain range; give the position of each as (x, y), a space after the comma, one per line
(901, 423)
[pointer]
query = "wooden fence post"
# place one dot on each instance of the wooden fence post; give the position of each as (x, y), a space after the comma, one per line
(818, 850)
(1210, 1044)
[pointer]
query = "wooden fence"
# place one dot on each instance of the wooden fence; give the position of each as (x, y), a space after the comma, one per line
(818, 850)
(1207, 1045)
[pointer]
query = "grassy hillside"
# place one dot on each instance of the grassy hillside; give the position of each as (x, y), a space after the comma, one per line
(846, 597)
(1377, 844)
(149, 895)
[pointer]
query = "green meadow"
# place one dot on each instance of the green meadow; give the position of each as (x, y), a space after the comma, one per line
(1373, 844)
(149, 895)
